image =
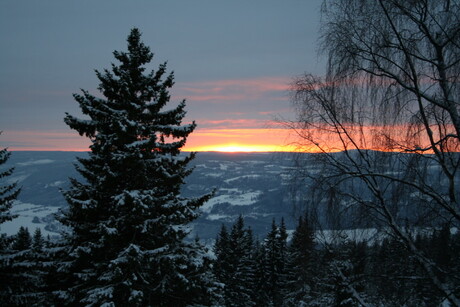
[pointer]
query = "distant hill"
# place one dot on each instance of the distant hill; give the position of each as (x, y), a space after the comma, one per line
(252, 184)
(256, 185)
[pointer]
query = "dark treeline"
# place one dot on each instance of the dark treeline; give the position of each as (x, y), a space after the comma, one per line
(280, 270)
(303, 271)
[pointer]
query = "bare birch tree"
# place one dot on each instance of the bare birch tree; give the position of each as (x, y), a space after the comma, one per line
(386, 119)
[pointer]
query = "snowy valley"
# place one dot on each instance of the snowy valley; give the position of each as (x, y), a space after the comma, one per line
(254, 185)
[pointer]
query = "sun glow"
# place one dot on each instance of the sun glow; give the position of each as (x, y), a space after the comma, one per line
(238, 140)
(244, 140)
(235, 148)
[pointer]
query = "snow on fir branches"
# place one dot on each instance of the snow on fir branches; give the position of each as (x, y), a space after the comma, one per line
(8, 191)
(127, 219)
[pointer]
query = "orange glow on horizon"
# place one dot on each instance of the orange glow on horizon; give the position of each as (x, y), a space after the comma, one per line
(235, 148)
(219, 140)
(239, 140)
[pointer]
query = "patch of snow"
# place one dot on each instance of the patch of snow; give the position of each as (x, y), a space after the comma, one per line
(214, 175)
(242, 177)
(230, 190)
(30, 216)
(17, 178)
(215, 217)
(285, 179)
(369, 235)
(255, 162)
(54, 184)
(35, 162)
(357, 235)
(445, 303)
(242, 199)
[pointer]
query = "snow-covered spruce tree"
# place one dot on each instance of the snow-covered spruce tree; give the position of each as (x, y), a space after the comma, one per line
(274, 274)
(235, 266)
(299, 265)
(23, 240)
(239, 290)
(8, 192)
(38, 242)
(127, 220)
(222, 264)
(23, 269)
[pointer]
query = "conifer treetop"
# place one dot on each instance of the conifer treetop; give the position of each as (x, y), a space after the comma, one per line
(131, 115)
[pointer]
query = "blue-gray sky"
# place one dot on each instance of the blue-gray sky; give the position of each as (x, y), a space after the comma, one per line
(232, 59)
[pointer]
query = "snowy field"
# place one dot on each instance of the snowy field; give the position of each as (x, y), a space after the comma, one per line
(233, 197)
(31, 216)
(246, 184)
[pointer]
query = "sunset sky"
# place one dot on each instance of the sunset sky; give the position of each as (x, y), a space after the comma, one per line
(233, 62)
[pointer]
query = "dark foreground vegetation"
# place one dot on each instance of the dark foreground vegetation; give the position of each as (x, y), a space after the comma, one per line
(302, 270)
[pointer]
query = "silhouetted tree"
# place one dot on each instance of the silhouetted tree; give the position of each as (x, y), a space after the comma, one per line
(222, 264)
(8, 192)
(392, 87)
(38, 242)
(23, 240)
(274, 267)
(127, 219)
(299, 264)
(25, 266)
(237, 270)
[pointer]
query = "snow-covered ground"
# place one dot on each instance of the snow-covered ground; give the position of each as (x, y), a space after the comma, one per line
(35, 162)
(31, 216)
(246, 184)
(236, 198)
(252, 176)
(216, 217)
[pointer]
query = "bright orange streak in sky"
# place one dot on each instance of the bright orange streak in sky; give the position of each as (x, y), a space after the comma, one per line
(238, 140)
(222, 140)
(229, 140)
